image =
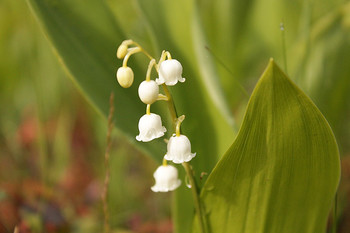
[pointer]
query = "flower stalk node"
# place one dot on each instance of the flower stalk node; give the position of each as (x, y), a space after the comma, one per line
(178, 125)
(162, 97)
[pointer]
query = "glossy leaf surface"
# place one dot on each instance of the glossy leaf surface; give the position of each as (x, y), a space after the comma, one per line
(281, 173)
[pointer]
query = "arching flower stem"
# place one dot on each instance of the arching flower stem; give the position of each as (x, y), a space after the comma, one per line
(127, 43)
(142, 50)
(178, 125)
(131, 51)
(165, 54)
(149, 70)
(162, 97)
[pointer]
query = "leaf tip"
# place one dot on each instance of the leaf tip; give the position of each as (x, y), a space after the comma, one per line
(272, 63)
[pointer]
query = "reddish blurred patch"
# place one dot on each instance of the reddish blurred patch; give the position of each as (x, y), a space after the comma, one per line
(77, 192)
(26, 194)
(136, 224)
(344, 196)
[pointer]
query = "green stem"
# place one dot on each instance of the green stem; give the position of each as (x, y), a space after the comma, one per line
(142, 50)
(128, 55)
(171, 105)
(104, 194)
(196, 199)
(187, 166)
(334, 226)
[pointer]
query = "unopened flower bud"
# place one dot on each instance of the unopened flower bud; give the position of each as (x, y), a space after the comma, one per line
(125, 76)
(148, 92)
(122, 50)
(170, 72)
(150, 127)
(179, 149)
(166, 179)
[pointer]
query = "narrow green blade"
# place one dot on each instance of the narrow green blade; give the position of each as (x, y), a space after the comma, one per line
(281, 173)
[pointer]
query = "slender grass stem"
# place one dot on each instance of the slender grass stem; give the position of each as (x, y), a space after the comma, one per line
(284, 50)
(222, 63)
(334, 225)
(107, 167)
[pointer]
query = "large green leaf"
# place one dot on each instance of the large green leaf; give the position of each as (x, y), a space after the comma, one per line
(281, 173)
(85, 36)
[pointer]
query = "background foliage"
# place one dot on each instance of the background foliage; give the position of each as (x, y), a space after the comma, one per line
(223, 46)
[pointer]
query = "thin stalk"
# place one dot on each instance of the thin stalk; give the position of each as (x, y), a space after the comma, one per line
(144, 51)
(284, 50)
(196, 199)
(131, 51)
(222, 63)
(334, 226)
(187, 166)
(171, 105)
(107, 167)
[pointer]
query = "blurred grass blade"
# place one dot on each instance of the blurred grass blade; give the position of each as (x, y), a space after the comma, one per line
(223, 25)
(281, 173)
(208, 71)
(321, 60)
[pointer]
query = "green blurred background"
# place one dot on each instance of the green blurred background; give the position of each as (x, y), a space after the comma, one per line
(52, 141)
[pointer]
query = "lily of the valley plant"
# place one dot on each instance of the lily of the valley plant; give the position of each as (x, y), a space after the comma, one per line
(150, 125)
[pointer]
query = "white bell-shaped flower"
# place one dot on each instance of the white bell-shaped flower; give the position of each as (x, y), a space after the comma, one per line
(148, 91)
(170, 72)
(150, 127)
(179, 149)
(166, 179)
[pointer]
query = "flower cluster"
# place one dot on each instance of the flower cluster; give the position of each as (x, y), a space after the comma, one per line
(150, 125)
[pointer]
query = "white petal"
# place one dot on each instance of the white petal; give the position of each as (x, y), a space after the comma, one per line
(160, 81)
(150, 127)
(179, 149)
(166, 178)
(170, 72)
